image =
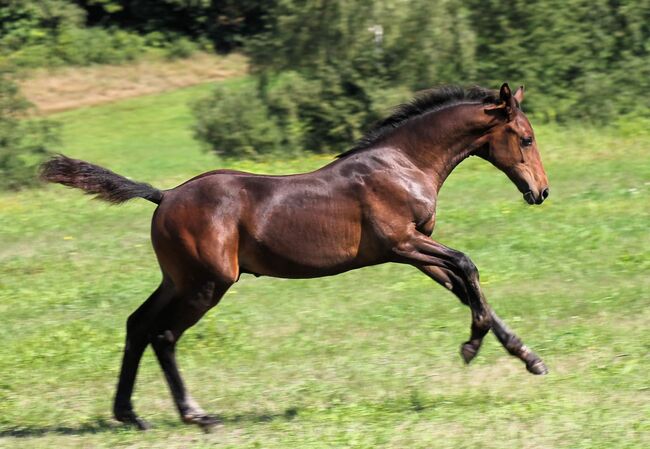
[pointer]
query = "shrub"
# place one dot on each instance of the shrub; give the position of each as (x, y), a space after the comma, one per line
(335, 112)
(179, 48)
(24, 142)
(286, 98)
(292, 113)
(84, 46)
(33, 22)
(80, 46)
(236, 123)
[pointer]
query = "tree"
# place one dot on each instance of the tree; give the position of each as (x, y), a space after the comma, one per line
(24, 142)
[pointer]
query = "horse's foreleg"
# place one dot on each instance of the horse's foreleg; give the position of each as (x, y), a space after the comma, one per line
(175, 320)
(455, 283)
(515, 346)
(137, 339)
(458, 273)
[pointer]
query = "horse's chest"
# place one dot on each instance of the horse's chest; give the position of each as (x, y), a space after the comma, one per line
(423, 212)
(426, 224)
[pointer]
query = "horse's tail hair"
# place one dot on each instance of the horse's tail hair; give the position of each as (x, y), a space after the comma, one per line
(96, 180)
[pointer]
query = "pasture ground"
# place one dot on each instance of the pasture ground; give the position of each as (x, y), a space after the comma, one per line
(64, 88)
(368, 359)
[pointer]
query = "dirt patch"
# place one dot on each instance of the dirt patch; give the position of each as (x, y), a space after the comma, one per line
(70, 88)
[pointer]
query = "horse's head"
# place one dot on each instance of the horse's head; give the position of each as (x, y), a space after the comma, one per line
(512, 148)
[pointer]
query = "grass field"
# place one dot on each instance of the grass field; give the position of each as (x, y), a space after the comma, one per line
(368, 359)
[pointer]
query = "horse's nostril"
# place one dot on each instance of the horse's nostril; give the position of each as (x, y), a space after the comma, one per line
(545, 193)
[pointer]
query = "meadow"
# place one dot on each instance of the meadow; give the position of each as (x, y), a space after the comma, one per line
(367, 359)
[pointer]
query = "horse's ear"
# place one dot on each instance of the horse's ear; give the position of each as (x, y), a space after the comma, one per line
(505, 94)
(506, 101)
(519, 94)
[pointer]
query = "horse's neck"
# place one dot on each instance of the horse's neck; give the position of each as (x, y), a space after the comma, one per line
(437, 142)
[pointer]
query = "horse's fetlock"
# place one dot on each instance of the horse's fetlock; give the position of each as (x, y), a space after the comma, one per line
(122, 409)
(483, 320)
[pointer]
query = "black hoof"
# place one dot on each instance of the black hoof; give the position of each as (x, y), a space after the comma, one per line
(537, 367)
(468, 352)
(206, 422)
(131, 419)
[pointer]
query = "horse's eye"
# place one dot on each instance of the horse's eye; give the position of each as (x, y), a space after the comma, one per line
(526, 141)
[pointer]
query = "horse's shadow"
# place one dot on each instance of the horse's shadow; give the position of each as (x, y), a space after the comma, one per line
(97, 426)
(102, 425)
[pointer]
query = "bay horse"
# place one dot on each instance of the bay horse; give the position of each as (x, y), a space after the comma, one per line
(375, 203)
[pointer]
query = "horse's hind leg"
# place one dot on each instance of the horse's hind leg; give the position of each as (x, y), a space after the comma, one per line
(137, 339)
(180, 315)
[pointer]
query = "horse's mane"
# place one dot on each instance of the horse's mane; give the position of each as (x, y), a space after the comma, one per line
(425, 101)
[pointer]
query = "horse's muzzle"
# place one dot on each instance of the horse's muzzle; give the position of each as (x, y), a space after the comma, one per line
(530, 197)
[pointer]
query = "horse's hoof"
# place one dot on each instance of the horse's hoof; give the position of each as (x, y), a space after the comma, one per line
(206, 422)
(468, 352)
(537, 367)
(131, 419)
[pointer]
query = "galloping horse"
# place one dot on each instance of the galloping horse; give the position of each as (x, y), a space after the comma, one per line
(375, 203)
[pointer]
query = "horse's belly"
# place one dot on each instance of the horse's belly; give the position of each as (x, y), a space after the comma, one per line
(311, 242)
(280, 267)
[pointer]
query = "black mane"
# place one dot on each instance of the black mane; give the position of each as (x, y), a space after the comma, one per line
(425, 101)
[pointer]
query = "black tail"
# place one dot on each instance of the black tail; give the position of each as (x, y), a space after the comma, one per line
(96, 180)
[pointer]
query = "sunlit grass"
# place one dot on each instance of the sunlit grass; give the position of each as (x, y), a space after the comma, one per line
(365, 359)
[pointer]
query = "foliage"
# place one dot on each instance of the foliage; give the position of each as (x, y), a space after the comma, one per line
(30, 22)
(223, 22)
(349, 61)
(322, 114)
(294, 113)
(179, 48)
(23, 142)
(586, 60)
(235, 125)
(82, 46)
(53, 33)
(582, 60)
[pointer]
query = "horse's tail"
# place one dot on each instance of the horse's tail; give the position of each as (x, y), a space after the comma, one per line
(95, 180)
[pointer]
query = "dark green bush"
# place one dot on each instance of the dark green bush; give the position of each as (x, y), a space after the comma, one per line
(291, 113)
(285, 100)
(53, 33)
(34, 22)
(83, 46)
(581, 59)
(24, 142)
(236, 123)
(28, 29)
(179, 48)
(334, 111)
(222, 23)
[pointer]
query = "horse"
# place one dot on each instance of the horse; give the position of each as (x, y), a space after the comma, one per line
(373, 204)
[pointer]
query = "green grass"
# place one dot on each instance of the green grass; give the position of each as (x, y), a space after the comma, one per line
(367, 359)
